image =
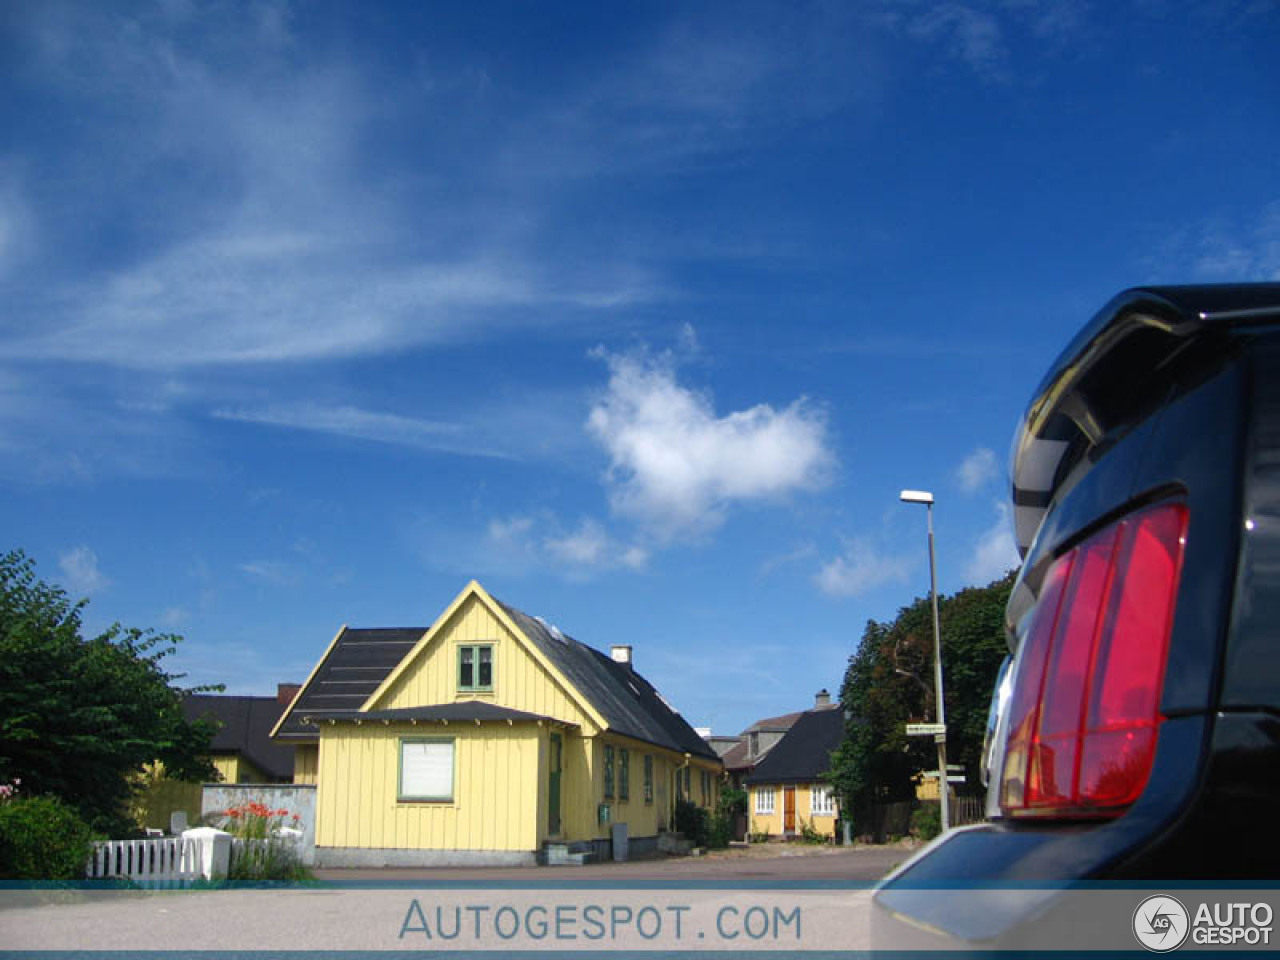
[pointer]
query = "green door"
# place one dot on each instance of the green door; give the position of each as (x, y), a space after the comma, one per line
(553, 785)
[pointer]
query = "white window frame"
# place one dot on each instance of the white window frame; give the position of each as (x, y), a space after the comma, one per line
(433, 796)
(766, 800)
(822, 802)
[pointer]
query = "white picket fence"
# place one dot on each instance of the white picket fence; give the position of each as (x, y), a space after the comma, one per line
(156, 861)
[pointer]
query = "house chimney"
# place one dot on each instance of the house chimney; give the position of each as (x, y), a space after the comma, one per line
(285, 692)
(621, 653)
(821, 699)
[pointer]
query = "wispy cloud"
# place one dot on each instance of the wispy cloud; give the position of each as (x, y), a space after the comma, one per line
(358, 424)
(676, 466)
(80, 571)
(287, 247)
(860, 569)
(590, 547)
(271, 571)
(977, 470)
(995, 553)
(969, 33)
(541, 542)
(1249, 251)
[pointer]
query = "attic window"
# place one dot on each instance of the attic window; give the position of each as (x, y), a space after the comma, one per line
(475, 668)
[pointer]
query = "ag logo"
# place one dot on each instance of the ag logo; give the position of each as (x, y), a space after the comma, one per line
(1161, 923)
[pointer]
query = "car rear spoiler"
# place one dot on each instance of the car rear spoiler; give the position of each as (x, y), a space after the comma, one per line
(1104, 379)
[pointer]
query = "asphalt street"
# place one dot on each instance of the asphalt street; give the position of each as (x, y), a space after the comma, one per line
(813, 901)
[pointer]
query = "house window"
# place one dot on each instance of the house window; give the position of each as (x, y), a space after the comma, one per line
(755, 745)
(426, 770)
(648, 778)
(475, 668)
(821, 801)
(608, 771)
(624, 775)
(764, 799)
(706, 788)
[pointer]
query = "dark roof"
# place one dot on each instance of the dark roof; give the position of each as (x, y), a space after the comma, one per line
(628, 702)
(462, 711)
(735, 758)
(361, 659)
(356, 665)
(244, 727)
(804, 754)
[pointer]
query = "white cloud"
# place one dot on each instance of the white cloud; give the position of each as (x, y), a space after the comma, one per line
(861, 568)
(80, 571)
(978, 468)
(541, 542)
(590, 547)
(349, 421)
(276, 242)
(675, 466)
(995, 553)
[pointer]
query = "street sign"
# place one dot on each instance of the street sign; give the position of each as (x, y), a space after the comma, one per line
(926, 729)
(951, 777)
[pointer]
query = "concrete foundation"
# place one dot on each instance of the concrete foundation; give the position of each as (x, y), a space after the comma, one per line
(373, 857)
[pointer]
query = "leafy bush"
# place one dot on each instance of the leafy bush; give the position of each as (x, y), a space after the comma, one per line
(693, 822)
(720, 832)
(926, 821)
(731, 803)
(808, 834)
(42, 838)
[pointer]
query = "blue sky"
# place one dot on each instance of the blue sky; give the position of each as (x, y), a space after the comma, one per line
(640, 314)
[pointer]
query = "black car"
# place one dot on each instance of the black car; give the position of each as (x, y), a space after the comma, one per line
(1136, 735)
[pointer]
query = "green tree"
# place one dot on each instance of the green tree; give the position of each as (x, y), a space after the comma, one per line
(79, 718)
(889, 683)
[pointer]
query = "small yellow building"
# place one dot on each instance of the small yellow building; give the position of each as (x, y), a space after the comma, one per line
(241, 751)
(786, 792)
(490, 738)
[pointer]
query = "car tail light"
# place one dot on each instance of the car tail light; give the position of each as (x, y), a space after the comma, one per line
(1086, 701)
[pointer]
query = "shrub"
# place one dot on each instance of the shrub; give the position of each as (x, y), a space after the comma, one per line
(693, 822)
(42, 838)
(808, 834)
(926, 821)
(720, 832)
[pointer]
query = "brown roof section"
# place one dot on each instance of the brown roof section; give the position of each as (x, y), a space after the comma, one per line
(783, 722)
(736, 757)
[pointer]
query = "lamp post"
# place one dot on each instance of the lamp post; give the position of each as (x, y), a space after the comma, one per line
(923, 496)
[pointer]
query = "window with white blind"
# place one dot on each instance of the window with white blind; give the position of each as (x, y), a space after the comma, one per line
(822, 802)
(764, 799)
(426, 770)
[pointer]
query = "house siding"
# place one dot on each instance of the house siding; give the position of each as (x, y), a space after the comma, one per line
(306, 762)
(772, 823)
(520, 682)
(496, 772)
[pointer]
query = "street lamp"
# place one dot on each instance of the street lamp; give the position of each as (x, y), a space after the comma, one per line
(923, 496)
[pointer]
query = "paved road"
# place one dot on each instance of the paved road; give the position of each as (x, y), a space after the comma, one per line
(791, 902)
(858, 865)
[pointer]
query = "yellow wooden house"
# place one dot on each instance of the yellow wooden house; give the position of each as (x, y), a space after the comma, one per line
(489, 738)
(786, 792)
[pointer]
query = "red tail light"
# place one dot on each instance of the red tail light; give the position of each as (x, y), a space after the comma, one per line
(1086, 702)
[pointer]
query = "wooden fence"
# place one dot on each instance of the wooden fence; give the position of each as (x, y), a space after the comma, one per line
(156, 861)
(966, 810)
